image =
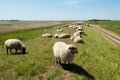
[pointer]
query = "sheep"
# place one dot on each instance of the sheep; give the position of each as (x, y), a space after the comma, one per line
(64, 35)
(56, 35)
(59, 30)
(79, 28)
(64, 53)
(78, 39)
(47, 35)
(14, 44)
(79, 23)
(79, 33)
(65, 25)
(72, 38)
(72, 26)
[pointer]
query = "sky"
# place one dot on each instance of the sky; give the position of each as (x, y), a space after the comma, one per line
(59, 9)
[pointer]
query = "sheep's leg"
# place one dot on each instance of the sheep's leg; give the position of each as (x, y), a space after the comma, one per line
(10, 50)
(62, 62)
(57, 60)
(15, 51)
(66, 62)
(7, 51)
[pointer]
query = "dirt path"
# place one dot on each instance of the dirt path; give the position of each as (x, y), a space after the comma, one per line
(111, 36)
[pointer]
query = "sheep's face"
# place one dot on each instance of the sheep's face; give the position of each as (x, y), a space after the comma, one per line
(72, 49)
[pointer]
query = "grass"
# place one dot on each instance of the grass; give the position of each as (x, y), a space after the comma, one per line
(28, 34)
(113, 26)
(97, 59)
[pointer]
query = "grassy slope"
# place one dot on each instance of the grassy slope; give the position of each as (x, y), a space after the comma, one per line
(96, 58)
(113, 26)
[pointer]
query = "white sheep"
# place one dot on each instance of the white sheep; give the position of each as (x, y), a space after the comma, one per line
(56, 35)
(64, 53)
(79, 33)
(47, 35)
(59, 30)
(14, 44)
(79, 28)
(64, 35)
(72, 37)
(78, 39)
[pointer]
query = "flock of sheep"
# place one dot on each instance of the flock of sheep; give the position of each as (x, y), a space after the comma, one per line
(76, 37)
(64, 53)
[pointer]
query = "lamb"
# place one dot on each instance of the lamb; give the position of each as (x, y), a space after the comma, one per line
(47, 35)
(14, 44)
(64, 53)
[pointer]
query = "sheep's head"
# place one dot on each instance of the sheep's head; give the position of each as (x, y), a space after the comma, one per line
(72, 49)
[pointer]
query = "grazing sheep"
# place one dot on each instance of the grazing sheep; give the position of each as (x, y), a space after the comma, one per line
(64, 53)
(14, 44)
(47, 35)
(64, 35)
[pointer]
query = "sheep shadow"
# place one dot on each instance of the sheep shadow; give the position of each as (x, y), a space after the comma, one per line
(82, 42)
(20, 53)
(78, 70)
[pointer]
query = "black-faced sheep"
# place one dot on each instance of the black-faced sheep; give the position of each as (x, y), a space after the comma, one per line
(14, 44)
(64, 53)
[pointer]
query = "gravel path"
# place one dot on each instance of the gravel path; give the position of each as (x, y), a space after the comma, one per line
(111, 36)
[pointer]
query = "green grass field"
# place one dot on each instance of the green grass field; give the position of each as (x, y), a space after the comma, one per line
(113, 26)
(97, 58)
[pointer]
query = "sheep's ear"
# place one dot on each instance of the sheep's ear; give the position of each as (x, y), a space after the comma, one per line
(70, 47)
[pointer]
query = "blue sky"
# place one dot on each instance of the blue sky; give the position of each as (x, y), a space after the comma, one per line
(59, 9)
